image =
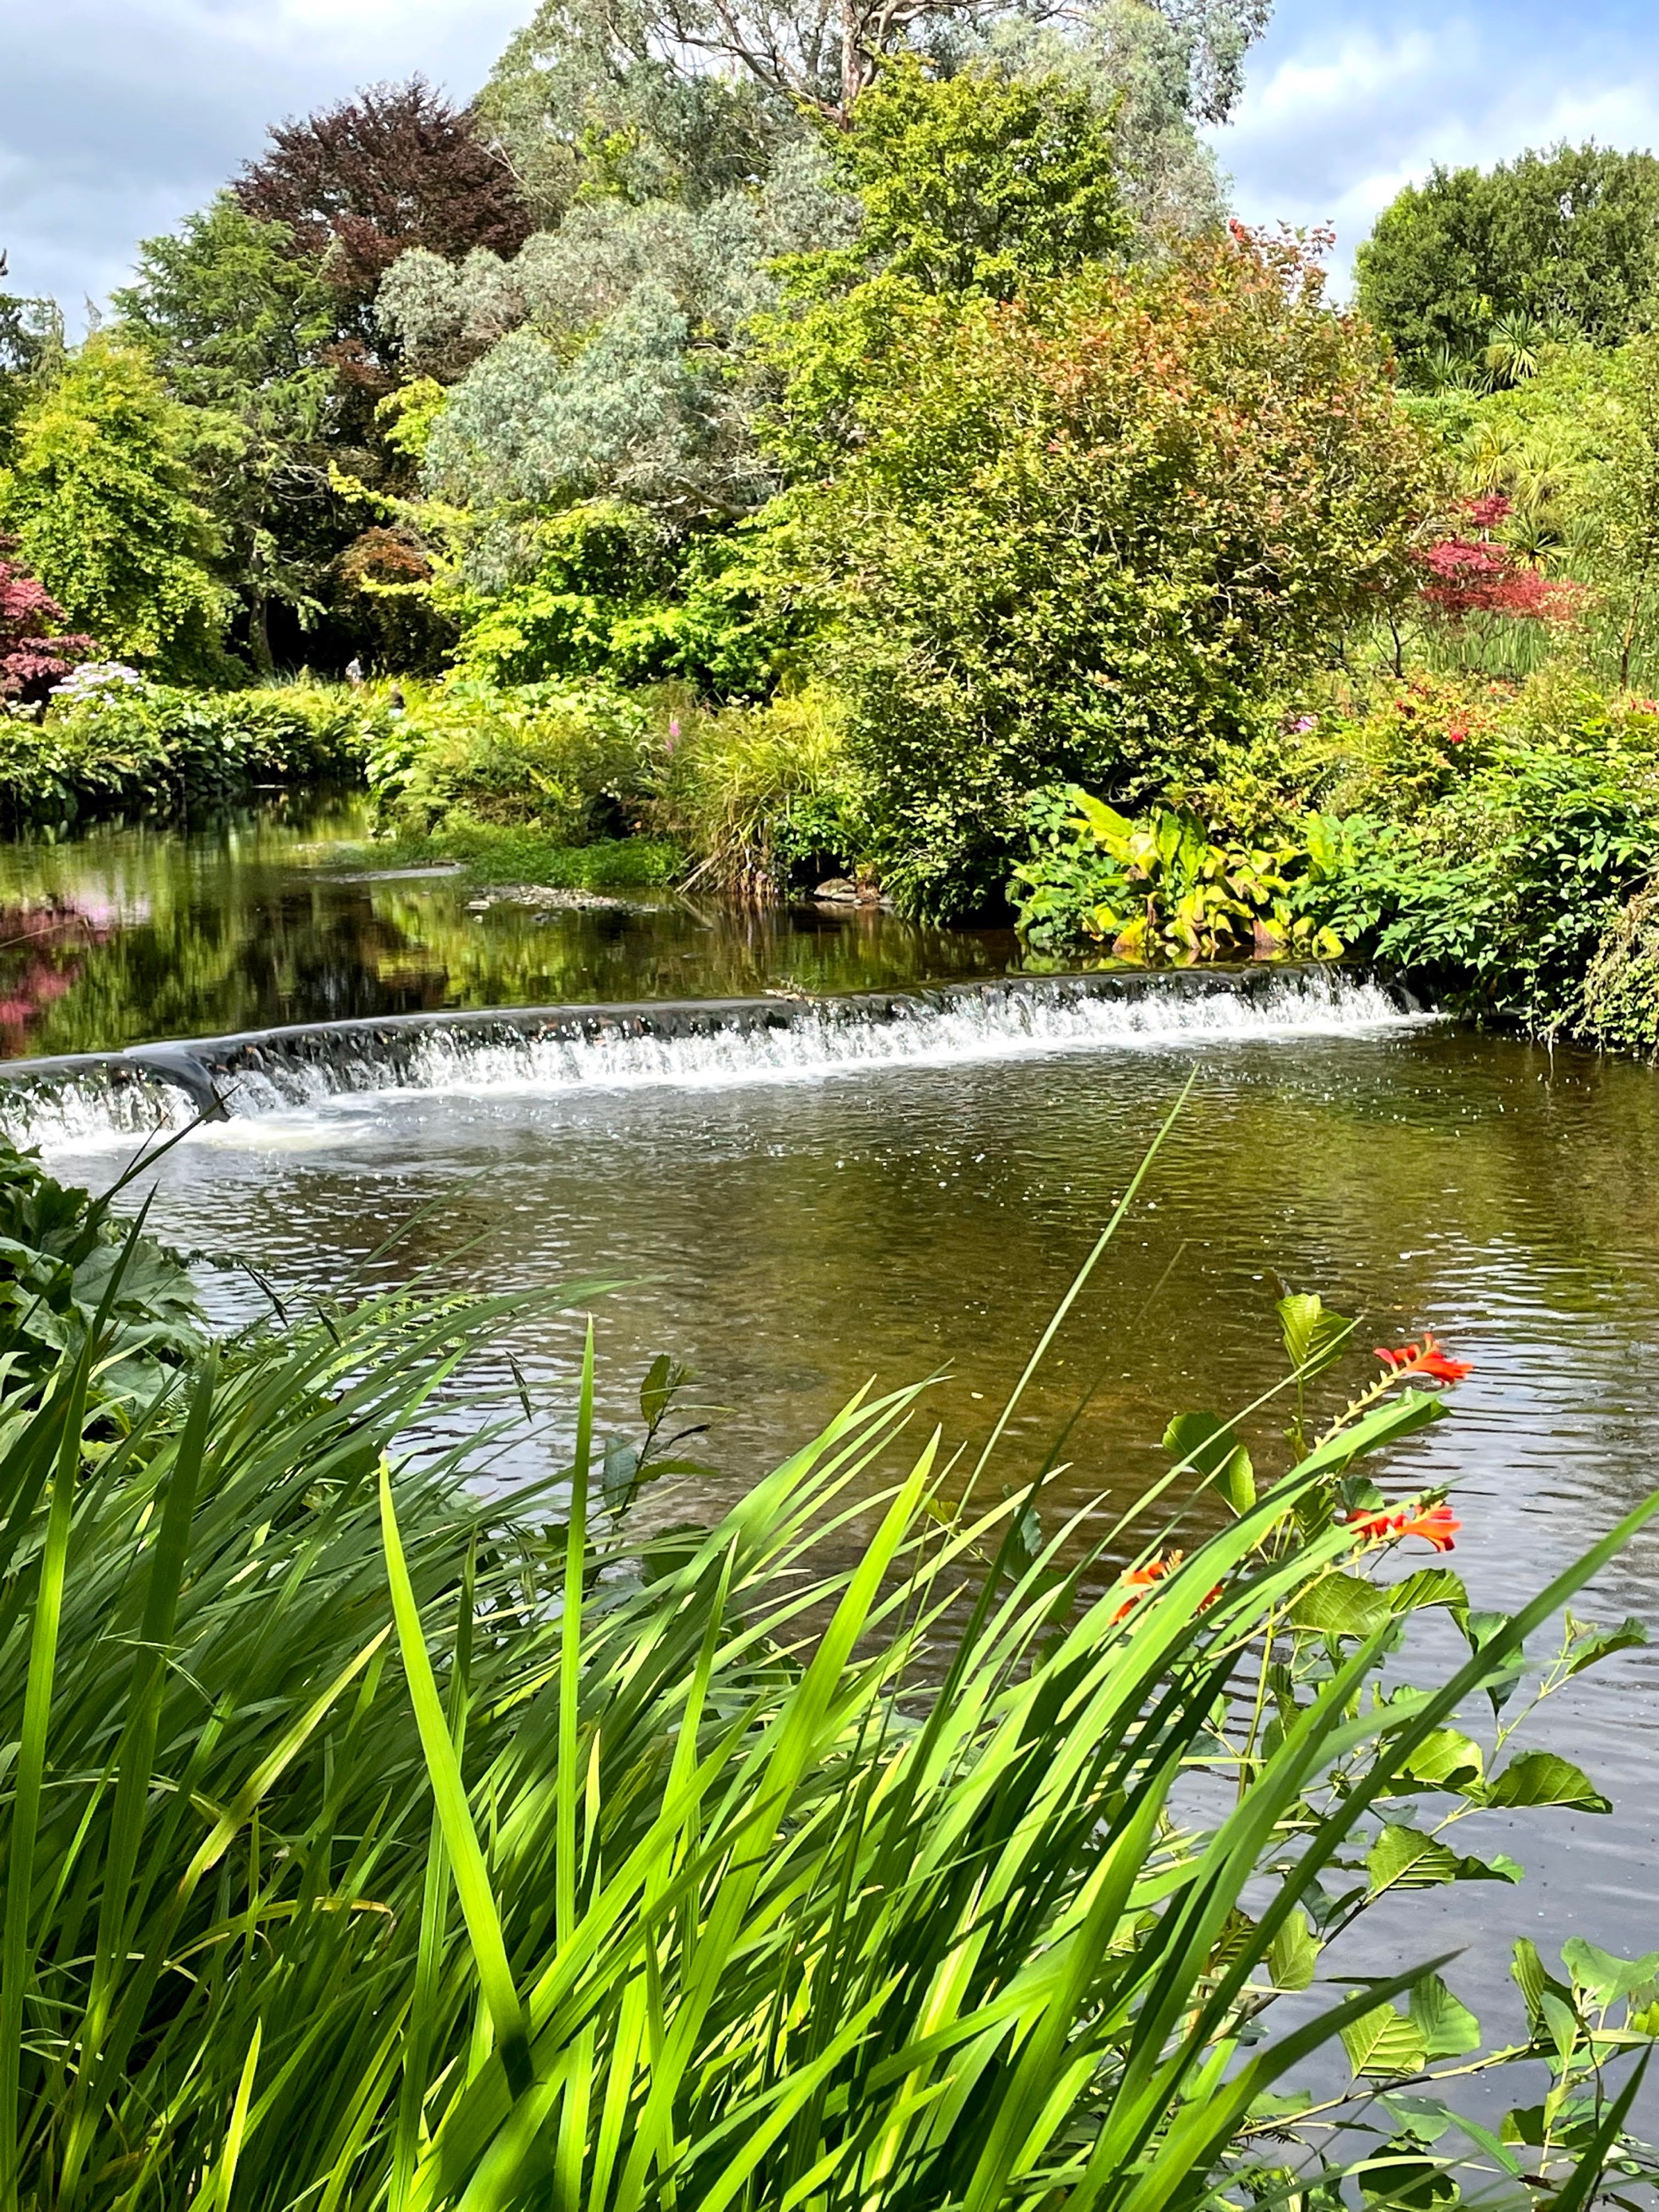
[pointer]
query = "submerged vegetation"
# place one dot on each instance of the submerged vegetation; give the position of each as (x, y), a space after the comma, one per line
(888, 1839)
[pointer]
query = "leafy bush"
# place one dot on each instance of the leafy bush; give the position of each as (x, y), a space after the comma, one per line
(1567, 236)
(759, 794)
(1501, 899)
(153, 747)
(1399, 749)
(372, 1837)
(73, 1273)
(101, 494)
(1160, 888)
(612, 598)
(34, 651)
(1081, 537)
(573, 763)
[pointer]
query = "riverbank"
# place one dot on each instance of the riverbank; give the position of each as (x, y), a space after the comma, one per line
(1493, 846)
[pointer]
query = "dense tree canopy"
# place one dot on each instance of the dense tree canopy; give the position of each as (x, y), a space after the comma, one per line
(1077, 536)
(399, 166)
(239, 328)
(31, 342)
(101, 497)
(1568, 240)
(582, 61)
(976, 182)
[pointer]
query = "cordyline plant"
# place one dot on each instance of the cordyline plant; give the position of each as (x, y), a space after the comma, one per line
(368, 1843)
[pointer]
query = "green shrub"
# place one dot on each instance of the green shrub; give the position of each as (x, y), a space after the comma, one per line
(70, 1270)
(153, 747)
(571, 762)
(1161, 889)
(1501, 899)
(1085, 535)
(614, 600)
(757, 794)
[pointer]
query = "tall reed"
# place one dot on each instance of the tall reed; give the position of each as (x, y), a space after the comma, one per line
(371, 1842)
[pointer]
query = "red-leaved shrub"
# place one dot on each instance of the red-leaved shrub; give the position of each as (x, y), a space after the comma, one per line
(35, 650)
(1480, 575)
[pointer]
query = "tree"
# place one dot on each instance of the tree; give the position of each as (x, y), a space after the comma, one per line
(973, 186)
(31, 343)
(975, 182)
(1567, 241)
(100, 496)
(240, 331)
(818, 56)
(1082, 536)
(580, 113)
(396, 167)
(1623, 497)
(1144, 75)
(628, 375)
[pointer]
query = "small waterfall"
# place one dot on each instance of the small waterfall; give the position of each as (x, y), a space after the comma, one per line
(94, 1099)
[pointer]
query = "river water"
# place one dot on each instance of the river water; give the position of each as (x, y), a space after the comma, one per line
(794, 1227)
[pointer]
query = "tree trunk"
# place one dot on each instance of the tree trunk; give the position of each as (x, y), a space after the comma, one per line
(259, 629)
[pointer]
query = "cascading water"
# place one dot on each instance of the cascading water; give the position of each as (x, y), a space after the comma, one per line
(118, 1096)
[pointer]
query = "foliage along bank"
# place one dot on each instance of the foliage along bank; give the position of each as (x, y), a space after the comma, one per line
(819, 478)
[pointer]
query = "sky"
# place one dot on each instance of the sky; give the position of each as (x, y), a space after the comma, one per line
(118, 117)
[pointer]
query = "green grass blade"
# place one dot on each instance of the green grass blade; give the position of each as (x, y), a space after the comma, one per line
(16, 1958)
(478, 1901)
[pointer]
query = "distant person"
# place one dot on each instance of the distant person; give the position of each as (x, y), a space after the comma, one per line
(355, 673)
(395, 700)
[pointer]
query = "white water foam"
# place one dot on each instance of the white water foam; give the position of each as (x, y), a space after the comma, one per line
(818, 1040)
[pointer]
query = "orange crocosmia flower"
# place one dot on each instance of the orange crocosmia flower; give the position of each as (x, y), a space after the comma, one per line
(1138, 1580)
(1371, 1526)
(1436, 1524)
(1429, 1358)
(1436, 1527)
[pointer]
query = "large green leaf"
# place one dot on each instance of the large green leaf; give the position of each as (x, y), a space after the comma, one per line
(1210, 1448)
(1448, 1760)
(1403, 1857)
(1342, 1605)
(1312, 1337)
(1544, 1777)
(1429, 1586)
(1591, 1645)
(1449, 2028)
(1603, 1978)
(1293, 1954)
(1385, 2044)
(1482, 1629)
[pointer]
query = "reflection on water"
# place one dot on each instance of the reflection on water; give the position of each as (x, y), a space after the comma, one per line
(793, 1239)
(131, 934)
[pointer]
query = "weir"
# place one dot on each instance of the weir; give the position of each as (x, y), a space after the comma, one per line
(84, 1097)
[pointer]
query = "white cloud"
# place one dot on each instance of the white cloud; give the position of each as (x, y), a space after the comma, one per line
(120, 116)
(1343, 108)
